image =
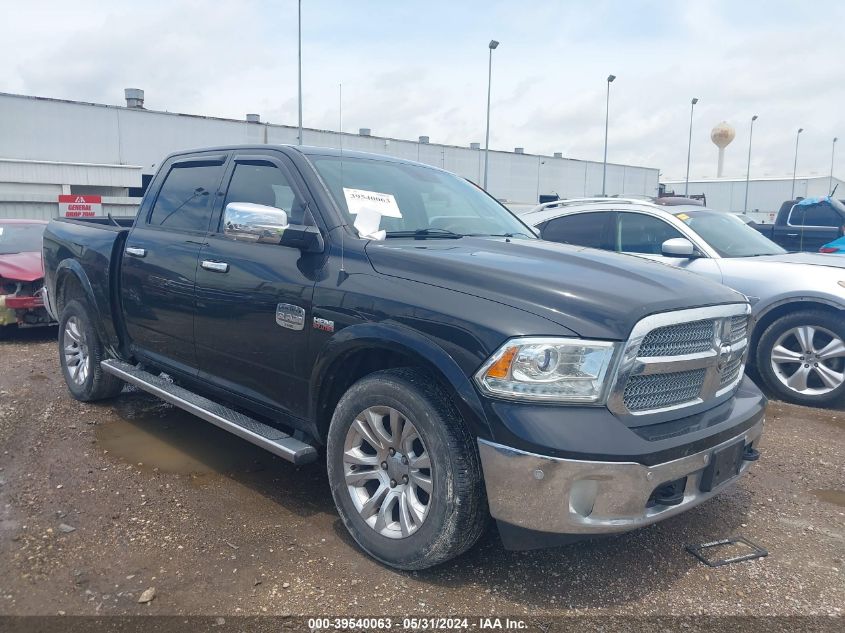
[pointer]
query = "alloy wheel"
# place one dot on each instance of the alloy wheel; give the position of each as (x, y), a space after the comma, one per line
(388, 471)
(75, 347)
(809, 360)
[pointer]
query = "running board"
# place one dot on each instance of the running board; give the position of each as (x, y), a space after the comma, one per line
(260, 434)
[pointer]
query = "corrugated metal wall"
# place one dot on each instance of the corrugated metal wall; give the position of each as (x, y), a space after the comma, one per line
(47, 129)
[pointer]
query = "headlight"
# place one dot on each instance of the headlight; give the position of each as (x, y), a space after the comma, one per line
(548, 369)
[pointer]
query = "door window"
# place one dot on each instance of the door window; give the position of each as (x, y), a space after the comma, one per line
(581, 229)
(640, 233)
(185, 200)
(268, 185)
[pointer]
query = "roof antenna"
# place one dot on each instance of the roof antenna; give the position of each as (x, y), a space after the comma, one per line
(342, 275)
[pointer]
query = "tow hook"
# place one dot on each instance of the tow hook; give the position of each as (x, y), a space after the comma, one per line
(751, 454)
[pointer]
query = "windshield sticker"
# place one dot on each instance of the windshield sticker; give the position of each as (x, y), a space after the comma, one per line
(369, 207)
(682, 216)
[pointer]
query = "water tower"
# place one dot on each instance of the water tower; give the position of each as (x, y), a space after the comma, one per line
(722, 135)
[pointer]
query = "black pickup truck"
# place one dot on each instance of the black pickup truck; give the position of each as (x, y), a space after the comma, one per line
(806, 224)
(451, 365)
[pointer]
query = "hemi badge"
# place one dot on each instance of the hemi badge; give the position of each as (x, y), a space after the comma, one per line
(323, 324)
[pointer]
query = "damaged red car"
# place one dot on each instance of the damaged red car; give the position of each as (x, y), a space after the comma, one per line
(21, 275)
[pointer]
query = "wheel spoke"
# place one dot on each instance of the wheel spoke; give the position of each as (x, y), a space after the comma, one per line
(780, 354)
(365, 430)
(421, 461)
(385, 513)
(395, 421)
(805, 334)
(372, 505)
(829, 377)
(355, 456)
(69, 334)
(422, 481)
(357, 477)
(406, 520)
(834, 349)
(798, 380)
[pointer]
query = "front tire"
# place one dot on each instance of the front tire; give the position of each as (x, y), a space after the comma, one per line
(801, 357)
(404, 470)
(80, 354)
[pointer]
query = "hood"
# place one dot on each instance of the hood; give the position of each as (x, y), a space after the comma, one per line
(22, 266)
(596, 294)
(810, 259)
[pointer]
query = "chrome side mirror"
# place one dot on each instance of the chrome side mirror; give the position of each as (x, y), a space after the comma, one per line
(254, 222)
(678, 247)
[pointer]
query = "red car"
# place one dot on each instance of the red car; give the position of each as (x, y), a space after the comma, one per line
(21, 274)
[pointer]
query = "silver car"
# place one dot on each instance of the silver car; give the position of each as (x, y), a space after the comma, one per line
(798, 299)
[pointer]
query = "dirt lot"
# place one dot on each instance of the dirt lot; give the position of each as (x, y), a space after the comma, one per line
(100, 502)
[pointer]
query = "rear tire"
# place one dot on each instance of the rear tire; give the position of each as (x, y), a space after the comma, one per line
(801, 358)
(80, 354)
(417, 440)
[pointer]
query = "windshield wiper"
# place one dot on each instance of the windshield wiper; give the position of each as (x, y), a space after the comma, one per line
(422, 234)
(499, 234)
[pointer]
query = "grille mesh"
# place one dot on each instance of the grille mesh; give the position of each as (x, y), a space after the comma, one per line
(739, 328)
(655, 391)
(730, 372)
(675, 340)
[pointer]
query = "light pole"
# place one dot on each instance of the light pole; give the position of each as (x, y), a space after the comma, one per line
(832, 154)
(539, 162)
(299, 54)
(610, 79)
(492, 46)
(795, 163)
(689, 144)
(748, 167)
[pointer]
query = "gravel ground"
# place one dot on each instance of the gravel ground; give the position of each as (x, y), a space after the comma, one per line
(99, 503)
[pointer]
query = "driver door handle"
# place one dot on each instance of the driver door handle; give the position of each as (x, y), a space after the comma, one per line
(136, 252)
(215, 267)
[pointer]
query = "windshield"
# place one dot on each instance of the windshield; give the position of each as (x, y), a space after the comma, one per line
(20, 238)
(431, 203)
(728, 235)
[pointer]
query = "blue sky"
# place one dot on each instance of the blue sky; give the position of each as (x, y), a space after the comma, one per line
(411, 68)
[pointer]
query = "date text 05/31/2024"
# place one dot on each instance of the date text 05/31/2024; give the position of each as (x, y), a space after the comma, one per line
(417, 624)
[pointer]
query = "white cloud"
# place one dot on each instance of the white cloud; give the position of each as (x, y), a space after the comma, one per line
(421, 68)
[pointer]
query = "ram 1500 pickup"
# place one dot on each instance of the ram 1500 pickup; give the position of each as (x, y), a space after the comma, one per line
(451, 365)
(806, 224)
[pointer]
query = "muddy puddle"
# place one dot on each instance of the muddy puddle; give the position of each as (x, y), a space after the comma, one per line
(161, 437)
(835, 497)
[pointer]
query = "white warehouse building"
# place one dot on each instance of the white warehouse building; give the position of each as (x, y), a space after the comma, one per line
(765, 195)
(51, 147)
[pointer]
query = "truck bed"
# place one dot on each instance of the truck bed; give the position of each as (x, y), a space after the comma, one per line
(89, 248)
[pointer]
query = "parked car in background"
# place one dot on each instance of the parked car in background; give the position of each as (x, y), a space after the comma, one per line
(430, 349)
(797, 299)
(21, 275)
(836, 246)
(806, 225)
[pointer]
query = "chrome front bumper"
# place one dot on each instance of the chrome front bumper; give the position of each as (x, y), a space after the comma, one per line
(568, 496)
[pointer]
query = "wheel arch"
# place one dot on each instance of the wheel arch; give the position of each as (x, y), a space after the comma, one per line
(359, 350)
(72, 283)
(781, 308)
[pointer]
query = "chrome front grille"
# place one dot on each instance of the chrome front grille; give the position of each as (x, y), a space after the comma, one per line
(658, 391)
(739, 328)
(683, 338)
(681, 359)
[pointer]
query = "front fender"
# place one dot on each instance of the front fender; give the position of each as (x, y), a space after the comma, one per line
(394, 337)
(762, 308)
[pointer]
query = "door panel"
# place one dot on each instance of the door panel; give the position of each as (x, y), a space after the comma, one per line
(246, 341)
(158, 271)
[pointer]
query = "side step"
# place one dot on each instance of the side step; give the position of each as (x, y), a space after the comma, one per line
(268, 437)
